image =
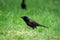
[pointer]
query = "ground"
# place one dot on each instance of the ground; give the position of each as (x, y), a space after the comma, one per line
(46, 12)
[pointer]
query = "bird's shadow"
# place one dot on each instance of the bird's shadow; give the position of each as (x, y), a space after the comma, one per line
(40, 29)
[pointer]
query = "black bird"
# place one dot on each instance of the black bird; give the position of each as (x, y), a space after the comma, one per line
(23, 5)
(31, 23)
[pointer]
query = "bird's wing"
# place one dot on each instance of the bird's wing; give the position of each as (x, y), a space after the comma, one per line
(34, 23)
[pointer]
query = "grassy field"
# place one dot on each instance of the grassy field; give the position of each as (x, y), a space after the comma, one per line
(46, 12)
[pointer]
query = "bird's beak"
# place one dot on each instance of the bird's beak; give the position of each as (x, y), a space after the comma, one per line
(21, 17)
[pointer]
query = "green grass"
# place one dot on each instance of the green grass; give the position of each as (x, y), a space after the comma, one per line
(46, 12)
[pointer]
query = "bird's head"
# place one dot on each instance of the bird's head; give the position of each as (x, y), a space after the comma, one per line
(25, 18)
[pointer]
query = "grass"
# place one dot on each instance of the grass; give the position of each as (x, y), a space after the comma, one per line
(46, 12)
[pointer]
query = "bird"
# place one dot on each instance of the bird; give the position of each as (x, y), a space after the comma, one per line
(31, 23)
(23, 5)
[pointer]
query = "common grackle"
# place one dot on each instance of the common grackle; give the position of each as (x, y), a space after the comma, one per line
(30, 22)
(23, 5)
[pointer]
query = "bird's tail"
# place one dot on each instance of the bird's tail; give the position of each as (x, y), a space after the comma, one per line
(43, 26)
